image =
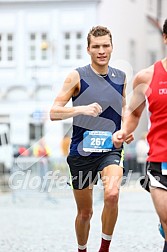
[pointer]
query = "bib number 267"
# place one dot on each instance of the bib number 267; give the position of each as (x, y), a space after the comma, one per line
(97, 141)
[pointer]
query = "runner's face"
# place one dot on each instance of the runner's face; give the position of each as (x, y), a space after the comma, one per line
(100, 49)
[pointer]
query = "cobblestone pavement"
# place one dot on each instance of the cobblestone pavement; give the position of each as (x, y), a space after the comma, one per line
(34, 222)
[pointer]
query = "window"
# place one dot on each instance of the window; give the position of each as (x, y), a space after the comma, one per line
(67, 52)
(72, 45)
(67, 35)
(78, 52)
(10, 53)
(78, 46)
(4, 139)
(32, 52)
(79, 35)
(36, 131)
(38, 48)
(6, 48)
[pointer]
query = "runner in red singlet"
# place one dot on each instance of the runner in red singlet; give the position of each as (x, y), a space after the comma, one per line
(150, 88)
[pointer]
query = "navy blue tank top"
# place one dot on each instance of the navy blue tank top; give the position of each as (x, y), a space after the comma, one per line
(107, 91)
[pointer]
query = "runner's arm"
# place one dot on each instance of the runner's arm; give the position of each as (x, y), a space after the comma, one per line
(70, 88)
(130, 137)
(133, 113)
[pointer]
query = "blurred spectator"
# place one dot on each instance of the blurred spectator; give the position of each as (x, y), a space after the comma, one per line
(42, 150)
(141, 153)
(23, 151)
(65, 144)
(20, 151)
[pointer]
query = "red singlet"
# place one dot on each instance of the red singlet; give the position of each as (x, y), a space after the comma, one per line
(157, 108)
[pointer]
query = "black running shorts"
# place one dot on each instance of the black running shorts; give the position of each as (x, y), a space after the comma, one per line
(84, 170)
(154, 170)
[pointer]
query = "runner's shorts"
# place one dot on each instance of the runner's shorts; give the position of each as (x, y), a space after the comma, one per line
(84, 170)
(154, 177)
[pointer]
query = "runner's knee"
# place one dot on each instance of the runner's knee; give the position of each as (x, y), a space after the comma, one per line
(111, 198)
(85, 214)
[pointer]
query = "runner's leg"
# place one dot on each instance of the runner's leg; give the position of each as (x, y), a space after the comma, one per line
(111, 177)
(83, 200)
(159, 197)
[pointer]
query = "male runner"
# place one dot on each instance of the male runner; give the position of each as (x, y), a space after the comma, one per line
(98, 95)
(150, 87)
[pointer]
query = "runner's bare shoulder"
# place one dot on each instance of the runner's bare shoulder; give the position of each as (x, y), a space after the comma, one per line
(144, 76)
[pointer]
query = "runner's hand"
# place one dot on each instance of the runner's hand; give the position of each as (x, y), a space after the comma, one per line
(93, 109)
(129, 138)
(118, 138)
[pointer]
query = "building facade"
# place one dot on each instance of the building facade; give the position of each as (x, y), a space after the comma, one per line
(40, 42)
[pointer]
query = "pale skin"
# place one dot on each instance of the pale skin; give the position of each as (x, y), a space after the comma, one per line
(100, 50)
(140, 84)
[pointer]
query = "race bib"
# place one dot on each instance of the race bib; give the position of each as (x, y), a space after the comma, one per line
(97, 141)
(164, 168)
